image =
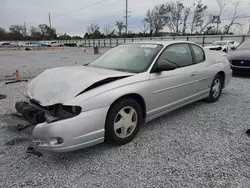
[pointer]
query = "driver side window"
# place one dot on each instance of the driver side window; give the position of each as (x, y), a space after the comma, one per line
(177, 54)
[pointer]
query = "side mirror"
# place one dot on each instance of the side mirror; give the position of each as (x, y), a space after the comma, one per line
(165, 66)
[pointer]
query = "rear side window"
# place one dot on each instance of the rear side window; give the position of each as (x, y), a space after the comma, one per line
(199, 54)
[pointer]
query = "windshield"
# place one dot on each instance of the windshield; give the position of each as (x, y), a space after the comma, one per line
(221, 43)
(134, 58)
(244, 46)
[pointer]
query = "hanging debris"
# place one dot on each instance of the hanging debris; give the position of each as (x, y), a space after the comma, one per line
(21, 127)
(2, 96)
(16, 141)
(248, 132)
(31, 150)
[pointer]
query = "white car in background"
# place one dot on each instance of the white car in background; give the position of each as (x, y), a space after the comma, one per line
(4, 43)
(54, 44)
(223, 46)
(10, 44)
(27, 44)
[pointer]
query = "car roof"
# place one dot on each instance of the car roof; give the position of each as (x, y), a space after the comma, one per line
(164, 43)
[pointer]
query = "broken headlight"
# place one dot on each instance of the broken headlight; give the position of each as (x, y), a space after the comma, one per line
(59, 112)
(63, 111)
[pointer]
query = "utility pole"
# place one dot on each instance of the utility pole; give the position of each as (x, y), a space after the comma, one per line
(248, 29)
(49, 21)
(126, 17)
(24, 29)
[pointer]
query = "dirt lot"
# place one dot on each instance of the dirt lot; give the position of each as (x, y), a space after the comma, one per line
(200, 145)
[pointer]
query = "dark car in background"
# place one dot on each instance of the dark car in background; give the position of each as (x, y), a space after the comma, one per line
(240, 58)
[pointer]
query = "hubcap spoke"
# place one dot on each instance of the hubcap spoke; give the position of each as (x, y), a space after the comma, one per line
(123, 113)
(118, 124)
(131, 114)
(124, 132)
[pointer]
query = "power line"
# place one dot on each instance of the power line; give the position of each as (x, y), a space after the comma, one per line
(79, 9)
(91, 5)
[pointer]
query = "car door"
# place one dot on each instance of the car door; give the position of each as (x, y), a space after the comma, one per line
(170, 89)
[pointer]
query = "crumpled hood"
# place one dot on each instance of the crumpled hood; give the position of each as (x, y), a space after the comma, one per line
(243, 55)
(58, 85)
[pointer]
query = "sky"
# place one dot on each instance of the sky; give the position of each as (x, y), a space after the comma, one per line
(74, 16)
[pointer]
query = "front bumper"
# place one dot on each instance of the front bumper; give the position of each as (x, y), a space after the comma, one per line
(240, 68)
(84, 130)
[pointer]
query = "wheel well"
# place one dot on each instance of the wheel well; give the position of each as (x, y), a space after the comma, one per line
(222, 74)
(138, 98)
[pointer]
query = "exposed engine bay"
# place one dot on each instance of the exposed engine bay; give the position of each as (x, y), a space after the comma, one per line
(36, 114)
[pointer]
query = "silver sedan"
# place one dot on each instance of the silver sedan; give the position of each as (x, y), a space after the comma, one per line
(110, 98)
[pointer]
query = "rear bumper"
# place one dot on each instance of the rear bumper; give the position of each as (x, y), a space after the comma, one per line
(84, 130)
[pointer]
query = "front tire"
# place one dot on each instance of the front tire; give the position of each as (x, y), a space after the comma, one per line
(123, 122)
(215, 89)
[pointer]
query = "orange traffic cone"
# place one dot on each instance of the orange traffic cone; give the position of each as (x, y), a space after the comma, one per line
(16, 74)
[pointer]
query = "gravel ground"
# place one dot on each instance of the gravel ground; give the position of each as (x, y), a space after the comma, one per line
(200, 145)
(31, 63)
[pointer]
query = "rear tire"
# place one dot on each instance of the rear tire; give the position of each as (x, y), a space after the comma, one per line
(215, 89)
(123, 122)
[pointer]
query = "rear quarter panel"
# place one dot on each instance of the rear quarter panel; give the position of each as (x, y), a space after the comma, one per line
(219, 63)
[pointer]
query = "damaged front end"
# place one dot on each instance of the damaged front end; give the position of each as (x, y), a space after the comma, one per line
(36, 114)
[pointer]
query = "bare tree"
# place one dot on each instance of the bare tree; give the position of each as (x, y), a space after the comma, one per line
(235, 16)
(120, 27)
(222, 9)
(174, 16)
(155, 18)
(187, 12)
(198, 16)
(144, 27)
(3, 33)
(16, 29)
(107, 29)
(149, 20)
(92, 28)
(212, 19)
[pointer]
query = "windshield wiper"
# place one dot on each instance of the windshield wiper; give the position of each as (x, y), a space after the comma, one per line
(126, 70)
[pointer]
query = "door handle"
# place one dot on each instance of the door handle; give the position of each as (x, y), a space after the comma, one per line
(193, 74)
